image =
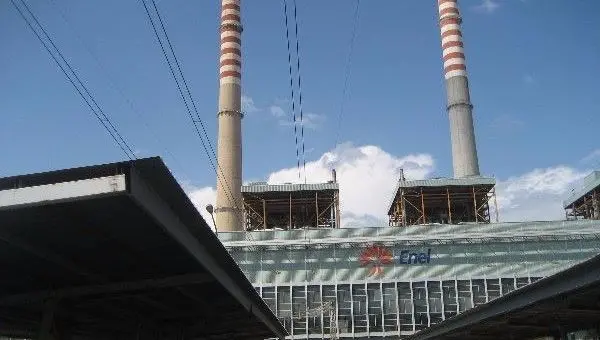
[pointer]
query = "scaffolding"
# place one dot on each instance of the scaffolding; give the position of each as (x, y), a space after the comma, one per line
(291, 206)
(585, 203)
(443, 201)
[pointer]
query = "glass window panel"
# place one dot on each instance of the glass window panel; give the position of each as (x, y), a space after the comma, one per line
(479, 292)
(284, 307)
(420, 303)
(359, 298)
(315, 307)
(533, 279)
(268, 294)
(449, 298)
(329, 300)
(405, 306)
(508, 285)
(389, 307)
(374, 299)
(344, 309)
(434, 293)
(522, 282)
(299, 309)
(493, 288)
(464, 295)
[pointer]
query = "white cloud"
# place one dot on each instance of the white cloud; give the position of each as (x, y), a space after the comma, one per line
(201, 197)
(487, 6)
(592, 156)
(248, 105)
(537, 195)
(310, 120)
(277, 111)
(368, 176)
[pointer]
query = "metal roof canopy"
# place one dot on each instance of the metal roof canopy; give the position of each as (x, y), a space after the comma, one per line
(118, 250)
(564, 302)
(286, 188)
(436, 184)
(590, 182)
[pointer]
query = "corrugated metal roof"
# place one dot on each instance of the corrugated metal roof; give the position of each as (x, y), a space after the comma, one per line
(260, 188)
(425, 233)
(590, 182)
(444, 182)
(441, 182)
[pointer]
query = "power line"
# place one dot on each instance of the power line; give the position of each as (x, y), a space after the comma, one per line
(289, 50)
(114, 85)
(98, 112)
(300, 89)
(217, 169)
(347, 70)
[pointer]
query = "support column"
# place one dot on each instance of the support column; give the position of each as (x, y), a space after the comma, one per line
(264, 214)
(449, 206)
(317, 208)
(422, 206)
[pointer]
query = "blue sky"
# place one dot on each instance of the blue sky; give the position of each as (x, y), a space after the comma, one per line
(533, 65)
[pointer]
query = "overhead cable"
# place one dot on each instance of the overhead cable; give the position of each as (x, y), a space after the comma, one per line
(294, 120)
(300, 89)
(347, 69)
(76, 81)
(197, 121)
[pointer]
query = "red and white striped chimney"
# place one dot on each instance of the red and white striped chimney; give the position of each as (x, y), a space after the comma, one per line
(460, 110)
(229, 145)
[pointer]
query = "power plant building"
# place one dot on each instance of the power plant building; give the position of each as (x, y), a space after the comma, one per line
(442, 253)
(391, 282)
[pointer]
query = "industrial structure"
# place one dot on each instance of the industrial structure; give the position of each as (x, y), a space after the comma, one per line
(584, 202)
(291, 206)
(229, 209)
(325, 281)
(391, 282)
(563, 306)
(460, 110)
(443, 201)
(118, 251)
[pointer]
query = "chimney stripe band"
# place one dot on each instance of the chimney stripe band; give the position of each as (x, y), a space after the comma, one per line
(230, 61)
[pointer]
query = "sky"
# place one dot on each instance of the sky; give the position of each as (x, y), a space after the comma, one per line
(533, 69)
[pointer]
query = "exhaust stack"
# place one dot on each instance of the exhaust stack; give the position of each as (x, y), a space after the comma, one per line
(229, 145)
(460, 110)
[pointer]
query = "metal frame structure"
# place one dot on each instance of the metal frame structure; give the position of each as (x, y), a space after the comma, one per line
(291, 206)
(443, 201)
(118, 251)
(585, 202)
(405, 296)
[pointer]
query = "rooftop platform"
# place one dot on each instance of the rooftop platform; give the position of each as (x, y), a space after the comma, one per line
(291, 206)
(443, 200)
(555, 306)
(467, 233)
(584, 203)
(118, 251)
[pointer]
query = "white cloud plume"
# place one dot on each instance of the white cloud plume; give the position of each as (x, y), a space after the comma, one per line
(368, 176)
(487, 6)
(248, 105)
(537, 195)
(310, 120)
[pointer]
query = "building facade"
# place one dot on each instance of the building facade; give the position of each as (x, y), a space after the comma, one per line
(389, 282)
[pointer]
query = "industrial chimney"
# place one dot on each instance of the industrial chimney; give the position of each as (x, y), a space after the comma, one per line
(460, 110)
(229, 148)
